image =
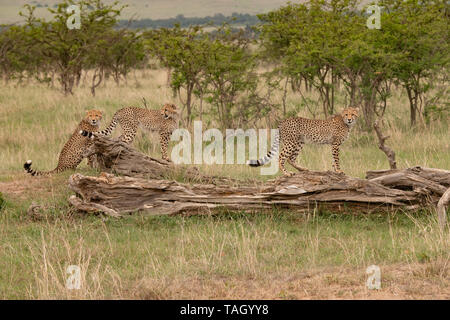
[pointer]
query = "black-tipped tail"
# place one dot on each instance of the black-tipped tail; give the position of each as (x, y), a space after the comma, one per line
(267, 158)
(85, 133)
(27, 167)
(254, 163)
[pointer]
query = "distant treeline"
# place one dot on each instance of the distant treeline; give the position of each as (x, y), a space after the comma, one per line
(239, 76)
(184, 22)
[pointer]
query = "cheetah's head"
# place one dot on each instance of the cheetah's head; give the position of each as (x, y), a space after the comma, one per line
(93, 117)
(169, 111)
(349, 115)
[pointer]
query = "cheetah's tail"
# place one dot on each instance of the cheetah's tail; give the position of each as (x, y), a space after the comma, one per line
(105, 132)
(27, 167)
(267, 158)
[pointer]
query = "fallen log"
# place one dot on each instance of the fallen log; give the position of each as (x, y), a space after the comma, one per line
(438, 176)
(303, 191)
(115, 156)
(146, 184)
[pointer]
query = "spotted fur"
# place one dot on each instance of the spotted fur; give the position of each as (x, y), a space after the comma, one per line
(72, 153)
(295, 132)
(164, 121)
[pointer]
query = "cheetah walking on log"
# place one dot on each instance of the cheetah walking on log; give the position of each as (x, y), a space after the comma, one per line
(72, 152)
(294, 132)
(164, 121)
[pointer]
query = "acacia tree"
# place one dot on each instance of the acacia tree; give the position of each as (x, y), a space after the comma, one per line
(115, 53)
(230, 79)
(125, 52)
(218, 68)
(19, 57)
(323, 41)
(181, 51)
(420, 38)
(306, 42)
(366, 67)
(66, 48)
(12, 60)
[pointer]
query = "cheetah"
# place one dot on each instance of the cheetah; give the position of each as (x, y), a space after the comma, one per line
(294, 132)
(164, 121)
(72, 153)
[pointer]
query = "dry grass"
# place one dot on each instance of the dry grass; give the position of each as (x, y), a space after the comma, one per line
(276, 256)
(29, 130)
(279, 255)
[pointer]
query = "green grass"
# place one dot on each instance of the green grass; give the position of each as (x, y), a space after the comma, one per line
(277, 254)
(118, 253)
(36, 121)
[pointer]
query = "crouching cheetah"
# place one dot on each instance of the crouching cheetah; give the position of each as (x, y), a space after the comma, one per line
(164, 121)
(294, 132)
(72, 153)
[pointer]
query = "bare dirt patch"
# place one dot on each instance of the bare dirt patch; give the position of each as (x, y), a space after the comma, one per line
(23, 187)
(398, 282)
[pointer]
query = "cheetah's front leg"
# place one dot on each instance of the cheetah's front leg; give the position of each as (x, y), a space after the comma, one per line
(335, 154)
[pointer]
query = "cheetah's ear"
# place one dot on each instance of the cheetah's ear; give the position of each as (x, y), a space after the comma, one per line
(357, 111)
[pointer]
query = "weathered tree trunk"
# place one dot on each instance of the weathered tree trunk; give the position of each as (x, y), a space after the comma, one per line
(145, 187)
(415, 177)
(306, 190)
(114, 156)
(118, 157)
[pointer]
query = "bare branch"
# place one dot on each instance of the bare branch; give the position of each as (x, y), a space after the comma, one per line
(443, 202)
(390, 154)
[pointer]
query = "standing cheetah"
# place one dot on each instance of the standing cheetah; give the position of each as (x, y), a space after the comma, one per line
(164, 121)
(295, 132)
(72, 152)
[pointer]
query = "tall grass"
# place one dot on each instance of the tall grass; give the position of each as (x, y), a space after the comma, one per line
(281, 254)
(36, 121)
(153, 257)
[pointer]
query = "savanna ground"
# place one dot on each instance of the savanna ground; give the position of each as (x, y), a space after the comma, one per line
(276, 255)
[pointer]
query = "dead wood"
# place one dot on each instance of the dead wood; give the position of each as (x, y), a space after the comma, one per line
(148, 185)
(390, 154)
(115, 156)
(118, 157)
(443, 202)
(303, 191)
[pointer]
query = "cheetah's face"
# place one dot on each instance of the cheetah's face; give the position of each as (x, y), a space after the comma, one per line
(169, 111)
(349, 115)
(93, 117)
